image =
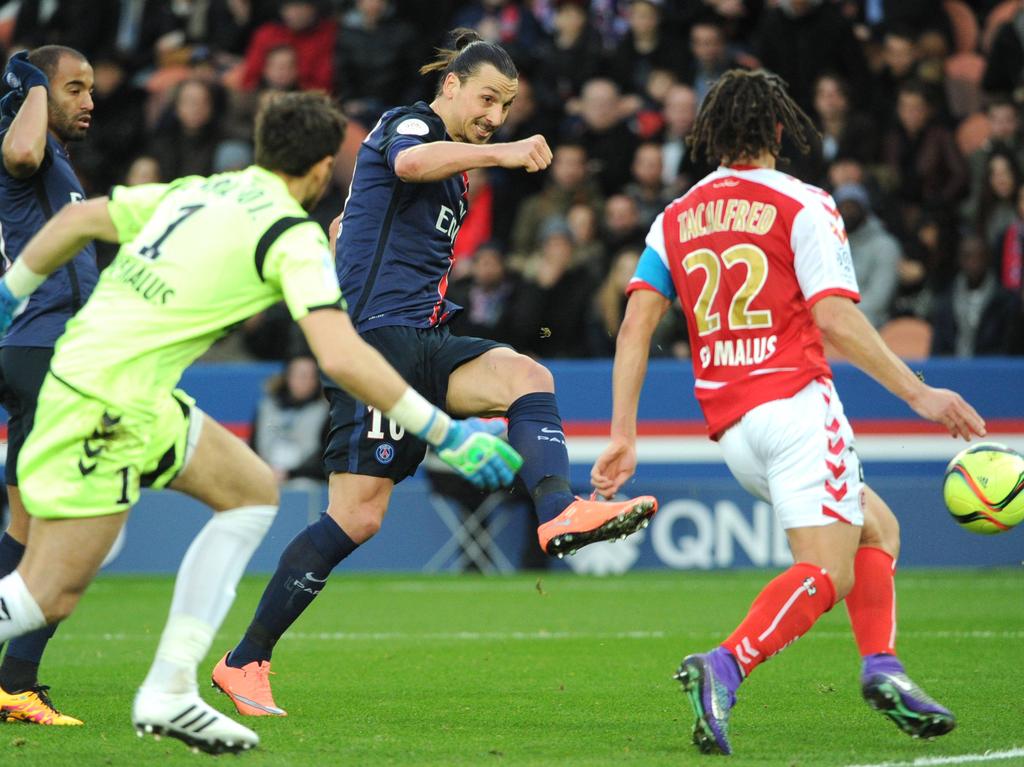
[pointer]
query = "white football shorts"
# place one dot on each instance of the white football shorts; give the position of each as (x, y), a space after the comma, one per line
(797, 454)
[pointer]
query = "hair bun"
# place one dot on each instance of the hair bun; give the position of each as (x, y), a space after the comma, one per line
(463, 36)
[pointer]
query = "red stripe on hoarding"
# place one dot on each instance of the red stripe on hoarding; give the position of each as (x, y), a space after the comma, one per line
(681, 428)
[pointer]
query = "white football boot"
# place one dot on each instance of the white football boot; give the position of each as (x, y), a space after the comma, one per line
(190, 719)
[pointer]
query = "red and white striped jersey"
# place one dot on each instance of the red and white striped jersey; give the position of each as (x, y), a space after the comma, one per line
(748, 251)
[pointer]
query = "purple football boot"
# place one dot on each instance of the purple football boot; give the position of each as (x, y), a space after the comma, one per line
(710, 681)
(888, 689)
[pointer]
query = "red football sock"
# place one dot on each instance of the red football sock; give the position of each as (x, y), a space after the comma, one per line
(783, 612)
(872, 602)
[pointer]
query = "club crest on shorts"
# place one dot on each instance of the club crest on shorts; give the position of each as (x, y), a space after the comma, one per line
(385, 453)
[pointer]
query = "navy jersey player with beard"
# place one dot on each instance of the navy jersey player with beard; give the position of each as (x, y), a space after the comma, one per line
(394, 251)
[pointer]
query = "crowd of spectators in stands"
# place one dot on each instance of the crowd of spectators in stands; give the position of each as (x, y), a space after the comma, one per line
(918, 103)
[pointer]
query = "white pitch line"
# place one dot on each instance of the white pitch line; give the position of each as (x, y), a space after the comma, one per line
(930, 761)
(539, 635)
(406, 636)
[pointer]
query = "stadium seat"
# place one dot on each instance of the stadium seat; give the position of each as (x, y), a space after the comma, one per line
(909, 337)
(964, 24)
(472, 531)
(998, 16)
(963, 82)
(472, 535)
(972, 133)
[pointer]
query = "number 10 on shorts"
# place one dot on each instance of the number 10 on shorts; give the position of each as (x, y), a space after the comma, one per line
(376, 431)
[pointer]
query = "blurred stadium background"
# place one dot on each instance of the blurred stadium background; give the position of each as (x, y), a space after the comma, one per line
(918, 102)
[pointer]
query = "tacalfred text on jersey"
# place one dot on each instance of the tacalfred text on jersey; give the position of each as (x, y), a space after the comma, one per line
(736, 215)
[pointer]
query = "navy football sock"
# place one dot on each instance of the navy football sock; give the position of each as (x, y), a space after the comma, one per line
(535, 430)
(301, 574)
(20, 667)
(10, 554)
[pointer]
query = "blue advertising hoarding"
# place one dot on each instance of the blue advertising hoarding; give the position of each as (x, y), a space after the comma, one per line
(706, 520)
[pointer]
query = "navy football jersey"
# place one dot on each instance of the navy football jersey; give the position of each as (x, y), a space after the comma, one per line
(394, 249)
(25, 205)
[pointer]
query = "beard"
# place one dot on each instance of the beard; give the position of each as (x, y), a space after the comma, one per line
(66, 126)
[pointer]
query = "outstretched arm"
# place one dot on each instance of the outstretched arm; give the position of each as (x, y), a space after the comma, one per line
(54, 245)
(438, 160)
(355, 365)
(67, 233)
(848, 330)
(618, 461)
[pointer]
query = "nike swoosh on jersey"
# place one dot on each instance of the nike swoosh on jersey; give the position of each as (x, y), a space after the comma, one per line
(546, 430)
(91, 452)
(310, 577)
(86, 470)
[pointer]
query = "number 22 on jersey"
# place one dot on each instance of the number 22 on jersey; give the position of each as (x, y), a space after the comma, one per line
(740, 315)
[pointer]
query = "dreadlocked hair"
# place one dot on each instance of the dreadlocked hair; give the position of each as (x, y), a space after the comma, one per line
(468, 53)
(740, 115)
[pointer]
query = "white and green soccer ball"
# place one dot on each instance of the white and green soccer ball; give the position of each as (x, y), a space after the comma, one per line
(984, 488)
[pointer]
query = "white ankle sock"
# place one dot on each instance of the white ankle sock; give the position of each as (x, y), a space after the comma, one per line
(203, 593)
(19, 611)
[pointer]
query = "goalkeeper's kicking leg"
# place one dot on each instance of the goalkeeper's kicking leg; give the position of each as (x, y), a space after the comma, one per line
(64, 552)
(227, 476)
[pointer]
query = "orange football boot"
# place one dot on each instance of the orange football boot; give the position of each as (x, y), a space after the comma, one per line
(34, 707)
(248, 687)
(589, 520)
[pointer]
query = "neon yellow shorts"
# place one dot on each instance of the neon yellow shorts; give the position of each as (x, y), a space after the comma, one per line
(84, 458)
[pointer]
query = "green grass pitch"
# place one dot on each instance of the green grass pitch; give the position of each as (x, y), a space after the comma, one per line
(551, 670)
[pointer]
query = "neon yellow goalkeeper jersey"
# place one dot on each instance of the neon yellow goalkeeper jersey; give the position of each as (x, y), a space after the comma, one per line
(198, 256)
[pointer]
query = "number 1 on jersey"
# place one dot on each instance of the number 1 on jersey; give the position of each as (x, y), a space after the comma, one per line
(152, 251)
(740, 315)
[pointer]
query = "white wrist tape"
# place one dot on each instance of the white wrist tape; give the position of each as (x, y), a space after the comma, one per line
(421, 418)
(21, 280)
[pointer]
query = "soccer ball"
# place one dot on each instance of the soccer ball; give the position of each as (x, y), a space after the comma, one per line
(984, 488)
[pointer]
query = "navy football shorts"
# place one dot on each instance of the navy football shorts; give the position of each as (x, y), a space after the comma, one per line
(22, 370)
(361, 439)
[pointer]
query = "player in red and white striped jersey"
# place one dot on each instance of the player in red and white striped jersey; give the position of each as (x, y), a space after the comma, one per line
(761, 266)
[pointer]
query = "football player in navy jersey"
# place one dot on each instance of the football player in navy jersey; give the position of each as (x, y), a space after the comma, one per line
(394, 251)
(49, 106)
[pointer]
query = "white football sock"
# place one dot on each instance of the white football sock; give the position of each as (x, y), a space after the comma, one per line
(203, 593)
(19, 611)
